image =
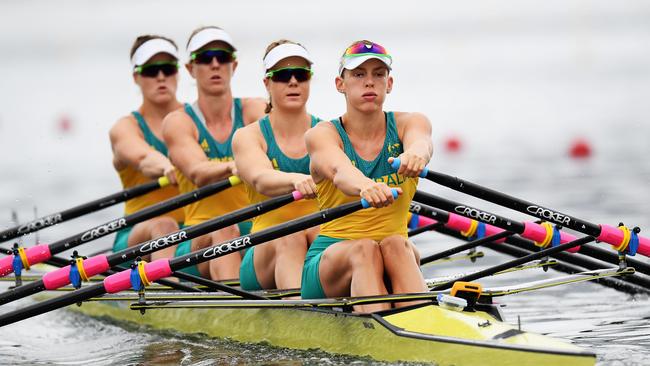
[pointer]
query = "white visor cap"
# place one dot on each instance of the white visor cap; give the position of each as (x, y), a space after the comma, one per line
(283, 51)
(151, 48)
(351, 63)
(208, 35)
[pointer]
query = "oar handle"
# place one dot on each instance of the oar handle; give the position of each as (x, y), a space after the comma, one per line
(365, 203)
(164, 267)
(397, 163)
(101, 263)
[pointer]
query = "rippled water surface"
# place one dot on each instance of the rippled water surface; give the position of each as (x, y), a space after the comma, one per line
(516, 82)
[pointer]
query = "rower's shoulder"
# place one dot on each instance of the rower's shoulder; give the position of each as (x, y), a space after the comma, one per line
(249, 131)
(410, 120)
(176, 119)
(323, 129)
(406, 117)
(253, 109)
(124, 125)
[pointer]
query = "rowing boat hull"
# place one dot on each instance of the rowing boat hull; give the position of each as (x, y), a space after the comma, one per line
(426, 333)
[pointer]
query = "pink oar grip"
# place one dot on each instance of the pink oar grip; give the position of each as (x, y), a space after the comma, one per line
(61, 277)
(297, 195)
(6, 265)
(534, 232)
(565, 238)
(96, 265)
(35, 254)
(122, 281)
(57, 279)
(614, 236)
(458, 223)
(537, 232)
(425, 221)
(493, 230)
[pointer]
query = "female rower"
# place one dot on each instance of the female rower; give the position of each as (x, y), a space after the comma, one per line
(350, 157)
(199, 136)
(139, 155)
(271, 158)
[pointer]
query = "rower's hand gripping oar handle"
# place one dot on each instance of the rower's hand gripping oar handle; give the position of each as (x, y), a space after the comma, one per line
(397, 162)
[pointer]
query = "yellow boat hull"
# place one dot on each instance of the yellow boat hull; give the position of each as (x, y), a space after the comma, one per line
(427, 333)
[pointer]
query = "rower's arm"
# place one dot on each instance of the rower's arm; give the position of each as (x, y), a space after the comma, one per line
(328, 161)
(130, 149)
(255, 168)
(181, 137)
(415, 132)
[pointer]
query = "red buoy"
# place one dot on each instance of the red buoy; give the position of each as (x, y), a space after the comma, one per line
(64, 125)
(580, 149)
(453, 144)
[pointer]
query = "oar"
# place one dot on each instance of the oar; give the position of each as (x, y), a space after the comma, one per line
(516, 262)
(569, 263)
(544, 235)
(83, 209)
(164, 267)
(100, 263)
(42, 252)
(621, 238)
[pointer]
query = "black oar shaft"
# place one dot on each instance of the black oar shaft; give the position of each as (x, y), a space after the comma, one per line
(507, 265)
(569, 263)
(139, 216)
(77, 211)
(203, 255)
(470, 212)
(263, 236)
(514, 203)
(469, 245)
(166, 241)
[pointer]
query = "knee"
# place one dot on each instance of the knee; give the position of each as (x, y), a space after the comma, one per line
(395, 245)
(365, 251)
(165, 224)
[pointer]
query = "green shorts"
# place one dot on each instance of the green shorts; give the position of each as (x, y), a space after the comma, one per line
(245, 227)
(311, 285)
(121, 241)
(186, 248)
(247, 277)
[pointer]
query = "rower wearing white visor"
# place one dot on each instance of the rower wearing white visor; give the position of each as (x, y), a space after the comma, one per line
(199, 137)
(272, 160)
(139, 155)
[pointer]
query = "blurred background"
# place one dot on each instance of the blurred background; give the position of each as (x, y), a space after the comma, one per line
(545, 100)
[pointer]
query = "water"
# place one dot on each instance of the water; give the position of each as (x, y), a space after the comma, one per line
(517, 82)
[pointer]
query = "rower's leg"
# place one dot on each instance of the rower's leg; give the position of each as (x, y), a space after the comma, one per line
(151, 229)
(401, 266)
(355, 268)
(226, 267)
(278, 263)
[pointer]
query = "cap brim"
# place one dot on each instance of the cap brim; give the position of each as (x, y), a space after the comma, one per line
(351, 63)
(151, 48)
(209, 35)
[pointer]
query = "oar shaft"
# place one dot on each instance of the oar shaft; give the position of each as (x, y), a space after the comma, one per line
(490, 271)
(164, 267)
(74, 212)
(39, 253)
(605, 233)
(569, 263)
(101, 263)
